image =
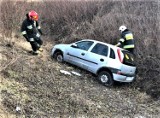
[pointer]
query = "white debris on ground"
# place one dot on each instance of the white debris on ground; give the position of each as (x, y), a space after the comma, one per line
(76, 73)
(70, 73)
(18, 108)
(65, 72)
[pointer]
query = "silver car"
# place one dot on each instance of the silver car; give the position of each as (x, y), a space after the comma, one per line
(108, 62)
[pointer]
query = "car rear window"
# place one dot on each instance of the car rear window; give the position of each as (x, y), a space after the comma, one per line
(128, 58)
(112, 54)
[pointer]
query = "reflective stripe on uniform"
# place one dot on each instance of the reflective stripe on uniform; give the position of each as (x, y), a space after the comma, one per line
(129, 36)
(128, 46)
(39, 27)
(118, 44)
(29, 27)
(24, 32)
(37, 35)
(31, 39)
(121, 40)
(34, 23)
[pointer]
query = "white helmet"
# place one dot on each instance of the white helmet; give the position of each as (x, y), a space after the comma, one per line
(122, 28)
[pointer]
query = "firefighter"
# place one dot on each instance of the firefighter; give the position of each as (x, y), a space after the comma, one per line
(31, 30)
(126, 41)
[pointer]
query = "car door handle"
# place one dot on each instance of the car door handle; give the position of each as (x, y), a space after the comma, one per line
(101, 60)
(82, 54)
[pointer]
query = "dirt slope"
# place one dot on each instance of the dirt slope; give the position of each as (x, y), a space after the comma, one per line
(35, 85)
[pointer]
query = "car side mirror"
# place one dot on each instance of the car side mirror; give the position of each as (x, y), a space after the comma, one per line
(74, 45)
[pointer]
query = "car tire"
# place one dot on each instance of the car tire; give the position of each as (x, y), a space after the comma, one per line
(105, 78)
(58, 56)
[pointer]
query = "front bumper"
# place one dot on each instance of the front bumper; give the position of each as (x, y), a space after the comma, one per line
(52, 51)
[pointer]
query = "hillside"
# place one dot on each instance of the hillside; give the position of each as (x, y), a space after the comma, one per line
(35, 85)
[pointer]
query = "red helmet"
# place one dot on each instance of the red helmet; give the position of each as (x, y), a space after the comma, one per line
(33, 15)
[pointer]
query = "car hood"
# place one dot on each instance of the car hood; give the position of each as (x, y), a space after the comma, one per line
(61, 46)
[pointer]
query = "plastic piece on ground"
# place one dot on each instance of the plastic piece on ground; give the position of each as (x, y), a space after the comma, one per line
(65, 72)
(76, 73)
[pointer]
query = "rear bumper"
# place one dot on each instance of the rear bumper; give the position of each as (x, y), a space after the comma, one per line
(122, 78)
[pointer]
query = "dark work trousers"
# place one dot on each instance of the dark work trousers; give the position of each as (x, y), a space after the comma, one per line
(131, 50)
(36, 44)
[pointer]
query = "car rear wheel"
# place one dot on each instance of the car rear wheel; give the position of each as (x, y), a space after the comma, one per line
(105, 78)
(58, 56)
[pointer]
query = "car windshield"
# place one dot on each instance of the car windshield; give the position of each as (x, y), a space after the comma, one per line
(84, 45)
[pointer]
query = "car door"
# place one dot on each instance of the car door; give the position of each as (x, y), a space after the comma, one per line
(96, 57)
(77, 51)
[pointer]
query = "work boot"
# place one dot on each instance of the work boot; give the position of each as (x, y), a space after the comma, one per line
(35, 52)
(40, 49)
(30, 51)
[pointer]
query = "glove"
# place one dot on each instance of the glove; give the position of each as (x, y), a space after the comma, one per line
(118, 44)
(40, 31)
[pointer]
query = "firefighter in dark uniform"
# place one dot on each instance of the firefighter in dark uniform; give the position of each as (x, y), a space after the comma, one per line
(126, 41)
(31, 30)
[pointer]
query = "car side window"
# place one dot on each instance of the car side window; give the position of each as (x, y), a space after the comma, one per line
(100, 49)
(84, 45)
(112, 54)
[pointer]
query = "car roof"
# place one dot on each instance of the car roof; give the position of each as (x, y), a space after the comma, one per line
(96, 41)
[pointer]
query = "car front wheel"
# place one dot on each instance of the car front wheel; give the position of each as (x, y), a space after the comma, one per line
(105, 78)
(58, 56)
